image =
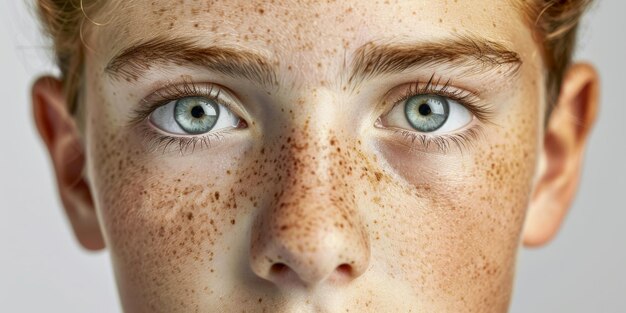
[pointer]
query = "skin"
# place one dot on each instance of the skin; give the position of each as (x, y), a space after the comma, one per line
(312, 207)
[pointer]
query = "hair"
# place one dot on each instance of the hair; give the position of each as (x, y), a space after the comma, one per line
(554, 23)
(63, 22)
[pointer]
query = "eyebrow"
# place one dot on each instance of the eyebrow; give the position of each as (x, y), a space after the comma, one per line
(470, 53)
(133, 61)
(371, 60)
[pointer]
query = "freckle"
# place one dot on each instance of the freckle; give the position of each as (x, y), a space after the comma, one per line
(378, 175)
(217, 195)
(232, 222)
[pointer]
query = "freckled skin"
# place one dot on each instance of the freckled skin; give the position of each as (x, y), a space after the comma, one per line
(311, 208)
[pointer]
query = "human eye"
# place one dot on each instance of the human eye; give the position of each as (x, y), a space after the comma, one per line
(193, 115)
(435, 115)
(188, 116)
(428, 113)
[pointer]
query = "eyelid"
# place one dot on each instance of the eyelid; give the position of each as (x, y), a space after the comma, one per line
(155, 139)
(462, 139)
(437, 86)
(175, 91)
(166, 144)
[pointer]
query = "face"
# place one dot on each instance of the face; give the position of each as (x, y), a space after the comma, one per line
(370, 156)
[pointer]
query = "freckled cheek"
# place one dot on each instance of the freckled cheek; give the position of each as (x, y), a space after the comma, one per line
(494, 172)
(170, 206)
(418, 167)
(464, 200)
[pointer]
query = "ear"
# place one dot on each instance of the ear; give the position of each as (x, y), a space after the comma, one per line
(58, 130)
(560, 161)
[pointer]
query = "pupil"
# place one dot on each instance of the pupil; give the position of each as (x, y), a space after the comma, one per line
(424, 109)
(197, 111)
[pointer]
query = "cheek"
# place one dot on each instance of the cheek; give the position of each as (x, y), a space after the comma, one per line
(164, 215)
(454, 220)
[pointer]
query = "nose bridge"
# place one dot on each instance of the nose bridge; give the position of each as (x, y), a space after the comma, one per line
(311, 226)
(309, 158)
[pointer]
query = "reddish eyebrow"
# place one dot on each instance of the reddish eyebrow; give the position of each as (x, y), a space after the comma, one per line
(135, 60)
(369, 61)
(473, 54)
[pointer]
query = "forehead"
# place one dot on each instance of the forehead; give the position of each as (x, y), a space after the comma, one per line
(307, 34)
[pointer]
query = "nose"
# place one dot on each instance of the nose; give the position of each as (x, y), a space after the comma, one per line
(311, 233)
(306, 243)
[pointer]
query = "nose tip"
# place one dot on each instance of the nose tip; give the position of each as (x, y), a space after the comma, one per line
(308, 256)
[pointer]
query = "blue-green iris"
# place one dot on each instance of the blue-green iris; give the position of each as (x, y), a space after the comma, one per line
(426, 113)
(196, 115)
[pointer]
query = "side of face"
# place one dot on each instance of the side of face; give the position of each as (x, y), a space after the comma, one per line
(318, 195)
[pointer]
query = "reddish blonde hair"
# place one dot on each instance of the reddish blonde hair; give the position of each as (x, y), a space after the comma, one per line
(554, 22)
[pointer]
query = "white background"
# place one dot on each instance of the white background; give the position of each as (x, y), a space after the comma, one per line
(42, 268)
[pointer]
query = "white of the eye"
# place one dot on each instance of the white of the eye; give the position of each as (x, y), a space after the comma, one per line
(163, 118)
(459, 117)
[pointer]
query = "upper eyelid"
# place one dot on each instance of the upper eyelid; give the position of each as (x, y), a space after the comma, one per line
(174, 91)
(456, 94)
(436, 84)
(396, 95)
(470, 99)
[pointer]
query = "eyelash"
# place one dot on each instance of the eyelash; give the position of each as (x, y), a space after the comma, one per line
(157, 141)
(174, 91)
(461, 140)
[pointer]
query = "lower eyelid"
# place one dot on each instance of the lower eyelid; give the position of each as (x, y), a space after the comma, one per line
(462, 141)
(157, 141)
(154, 140)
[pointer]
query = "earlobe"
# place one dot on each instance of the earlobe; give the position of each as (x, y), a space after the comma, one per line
(58, 130)
(561, 158)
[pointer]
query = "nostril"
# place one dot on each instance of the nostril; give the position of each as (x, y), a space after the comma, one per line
(279, 269)
(344, 269)
(282, 273)
(342, 274)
